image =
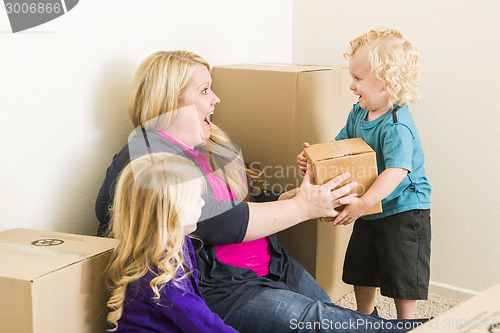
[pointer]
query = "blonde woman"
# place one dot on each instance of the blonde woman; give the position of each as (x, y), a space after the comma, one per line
(246, 276)
(152, 275)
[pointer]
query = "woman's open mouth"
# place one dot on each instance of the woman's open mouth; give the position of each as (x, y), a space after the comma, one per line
(206, 118)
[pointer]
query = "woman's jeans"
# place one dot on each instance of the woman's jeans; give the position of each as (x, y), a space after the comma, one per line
(306, 308)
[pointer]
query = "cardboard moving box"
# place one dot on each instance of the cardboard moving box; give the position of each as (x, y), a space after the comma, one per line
(269, 110)
(52, 282)
(481, 313)
(333, 158)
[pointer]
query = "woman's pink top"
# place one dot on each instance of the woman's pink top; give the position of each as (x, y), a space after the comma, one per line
(254, 255)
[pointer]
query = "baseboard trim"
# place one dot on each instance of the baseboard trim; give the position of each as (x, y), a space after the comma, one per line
(451, 291)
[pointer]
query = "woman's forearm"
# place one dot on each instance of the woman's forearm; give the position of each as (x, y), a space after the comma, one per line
(288, 195)
(307, 202)
(268, 218)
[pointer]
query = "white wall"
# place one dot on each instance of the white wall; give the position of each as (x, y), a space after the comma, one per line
(458, 115)
(64, 84)
(63, 101)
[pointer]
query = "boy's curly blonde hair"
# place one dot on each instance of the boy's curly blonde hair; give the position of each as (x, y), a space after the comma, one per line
(394, 61)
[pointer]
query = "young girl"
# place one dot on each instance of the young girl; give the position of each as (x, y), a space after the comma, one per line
(390, 250)
(152, 275)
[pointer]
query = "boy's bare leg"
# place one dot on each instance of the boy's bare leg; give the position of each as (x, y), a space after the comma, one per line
(365, 299)
(405, 308)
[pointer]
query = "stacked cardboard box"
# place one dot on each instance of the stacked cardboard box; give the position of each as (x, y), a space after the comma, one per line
(269, 110)
(52, 282)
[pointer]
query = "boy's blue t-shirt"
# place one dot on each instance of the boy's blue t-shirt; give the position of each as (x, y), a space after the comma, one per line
(397, 145)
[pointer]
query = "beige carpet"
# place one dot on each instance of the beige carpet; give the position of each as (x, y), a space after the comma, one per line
(435, 305)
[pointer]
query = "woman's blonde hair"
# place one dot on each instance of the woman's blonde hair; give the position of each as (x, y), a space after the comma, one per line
(394, 61)
(157, 85)
(153, 194)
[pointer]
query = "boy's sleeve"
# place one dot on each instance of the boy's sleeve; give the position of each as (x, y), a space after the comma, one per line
(397, 147)
(348, 131)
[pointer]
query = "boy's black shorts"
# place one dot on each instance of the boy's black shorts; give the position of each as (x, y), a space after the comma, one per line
(392, 253)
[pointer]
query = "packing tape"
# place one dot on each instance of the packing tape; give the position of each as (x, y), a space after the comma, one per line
(43, 250)
(343, 147)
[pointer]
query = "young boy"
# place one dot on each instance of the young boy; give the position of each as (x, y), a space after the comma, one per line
(390, 250)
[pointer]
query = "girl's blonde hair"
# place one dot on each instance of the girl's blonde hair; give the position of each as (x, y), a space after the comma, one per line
(157, 85)
(153, 194)
(394, 61)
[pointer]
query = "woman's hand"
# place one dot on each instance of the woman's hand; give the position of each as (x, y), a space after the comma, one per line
(302, 161)
(307, 202)
(321, 200)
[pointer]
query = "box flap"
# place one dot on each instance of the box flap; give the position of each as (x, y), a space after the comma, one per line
(322, 151)
(481, 313)
(27, 254)
(279, 67)
(335, 149)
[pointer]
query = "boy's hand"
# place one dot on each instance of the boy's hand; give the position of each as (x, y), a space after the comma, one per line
(302, 161)
(351, 212)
